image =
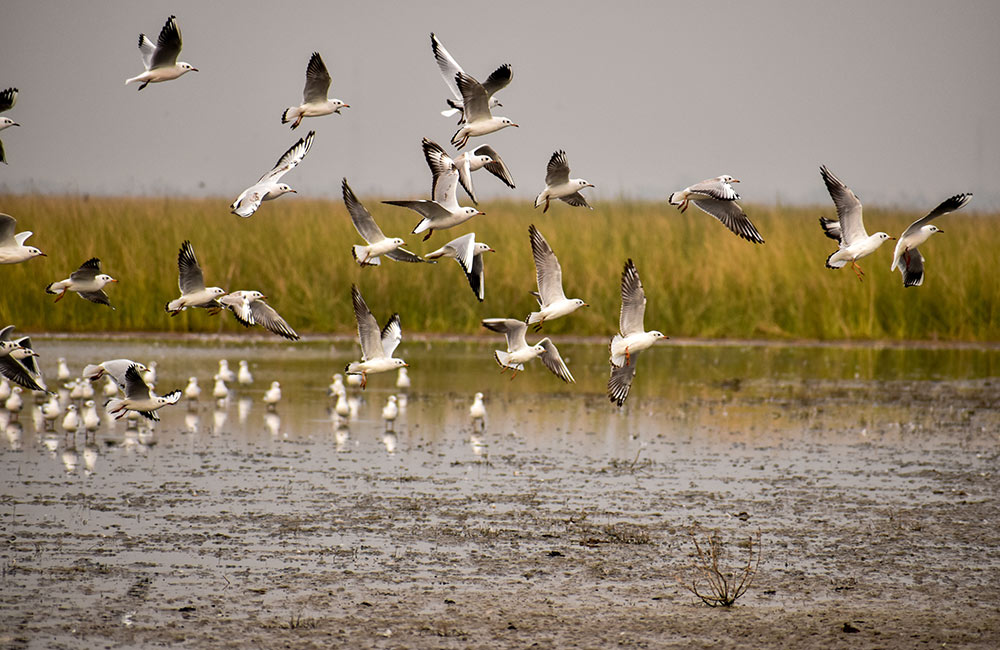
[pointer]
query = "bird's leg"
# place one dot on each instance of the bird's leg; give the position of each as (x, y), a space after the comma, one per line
(906, 257)
(538, 325)
(546, 206)
(857, 271)
(513, 374)
(428, 235)
(60, 296)
(298, 121)
(684, 205)
(628, 357)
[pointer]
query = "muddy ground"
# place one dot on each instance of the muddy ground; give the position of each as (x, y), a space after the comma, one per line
(562, 525)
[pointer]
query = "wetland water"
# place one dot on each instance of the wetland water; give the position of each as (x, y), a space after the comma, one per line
(871, 475)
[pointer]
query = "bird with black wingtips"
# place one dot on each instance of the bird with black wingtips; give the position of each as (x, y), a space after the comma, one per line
(632, 336)
(12, 368)
(250, 308)
(558, 184)
(469, 254)
(268, 187)
(140, 398)
(191, 281)
(498, 80)
(519, 352)
(377, 244)
(552, 300)
(848, 230)
(160, 60)
(377, 346)
(479, 120)
(315, 102)
(716, 197)
(8, 98)
(906, 257)
(87, 282)
(12, 248)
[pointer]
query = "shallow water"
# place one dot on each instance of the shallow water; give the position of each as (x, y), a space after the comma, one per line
(857, 465)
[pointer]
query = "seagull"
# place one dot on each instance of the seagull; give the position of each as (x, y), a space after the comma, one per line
(443, 211)
(467, 162)
(403, 379)
(476, 106)
(906, 256)
(71, 421)
(717, 198)
(273, 396)
(12, 248)
(343, 407)
(225, 371)
(314, 100)
(62, 370)
(390, 412)
(558, 184)
(219, 390)
(849, 230)
(87, 281)
(336, 387)
(268, 187)
(550, 295)
(469, 254)
(91, 421)
(244, 377)
(51, 411)
(14, 401)
(139, 398)
(192, 391)
(7, 100)
(376, 346)
(191, 281)
(115, 369)
(497, 81)
(10, 366)
(378, 243)
(519, 352)
(160, 60)
(632, 336)
(478, 410)
(110, 386)
(28, 358)
(250, 309)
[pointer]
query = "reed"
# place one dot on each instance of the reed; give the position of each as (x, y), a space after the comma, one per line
(700, 280)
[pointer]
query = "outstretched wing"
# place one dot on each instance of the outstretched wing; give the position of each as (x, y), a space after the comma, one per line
(548, 271)
(135, 386)
(403, 255)
(439, 162)
(290, 159)
(7, 99)
(87, 271)
(633, 301)
(554, 362)
(474, 99)
(576, 200)
(911, 265)
(732, 216)
(448, 65)
(948, 205)
(620, 381)
(362, 219)
(168, 45)
(514, 330)
(190, 277)
(497, 167)
(391, 335)
(557, 171)
(498, 80)
(852, 226)
(317, 80)
(15, 371)
(265, 316)
(368, 332)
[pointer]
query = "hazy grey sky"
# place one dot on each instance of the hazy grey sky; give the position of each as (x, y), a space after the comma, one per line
(900, 98)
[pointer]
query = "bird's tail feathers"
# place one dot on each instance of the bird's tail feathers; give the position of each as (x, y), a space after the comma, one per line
(115, 406)
(289, 114)
(617, 360)
(837, 264)
(92, 372)
(359, 256)
(424, 224)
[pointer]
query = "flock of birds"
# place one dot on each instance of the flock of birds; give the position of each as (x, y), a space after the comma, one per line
(473, 102)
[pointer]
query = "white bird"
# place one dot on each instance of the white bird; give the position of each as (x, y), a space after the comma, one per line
(337, 387)
(51, 411)
(191, 281)
(28, 358)
(389, 413)
(62, 370)
(443, 211)
(268, 186)
(244, 376)
(14, 368)
(160, 60)
(478, 410)
(849, 229)
(110, 387)
(4, 388)
(906, 257)
(469, 254)
(314, 100)
(250, 309)
(354, 380)
(273, 396)
(376, 346)
(91, 420)
(558, 184)
(139, 398)
(114, 369)
(519, 352)
(71, 421)
(343, 407)
(12, 248)
(717, 198)
(403, 379)
(551, 298)
(192, 391)
(220, 391)
(225, 371)
(377, 243)
(483, 156)
(76, 390)
(14, 402)
(7, 100)
(149, 374)
(478, 119)
(632, 336)
(87, 281)
(449, 67)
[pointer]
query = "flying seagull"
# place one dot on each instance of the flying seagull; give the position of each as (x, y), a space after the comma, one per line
(519, 352)
(632, 336)
(478, 119)
(139, 398)
(314, 100)
(466, 163)
(12, 368)
(849, 229)
(449, 67)
(160, 60)
(906, 256)
(12, 248)
(469, 254)
(29, 359)
(376, 346)
(558, 184)
(552, 300)
(7, 100)
(378, 243)
(717, 197)
(87, 281)
(191, 281)
(250, 309)
(113, 368)
(268, 187)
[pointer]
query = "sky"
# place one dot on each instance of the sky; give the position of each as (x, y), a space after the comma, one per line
(900, 98)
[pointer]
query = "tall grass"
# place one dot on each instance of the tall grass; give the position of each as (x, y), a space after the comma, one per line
(700, 280)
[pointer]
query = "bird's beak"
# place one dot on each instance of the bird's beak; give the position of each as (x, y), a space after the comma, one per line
(490, 250)
(736, 180)
(481, 212)
(586, 305)
(517, 125)
(15, 124)
(591, 185)
(114, 280)
(893, 238)
(43, 254)
(346, 106)
(294, 191)
(940, 231)
(406, 365)
(195, 70)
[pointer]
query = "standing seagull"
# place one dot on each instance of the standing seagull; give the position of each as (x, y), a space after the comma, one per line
(7, 100)
(717, 198)
(250, 309)
(550, 295)
(268, 187)
(449, 67)
(376, 346)
(519, 352)
(632, 336)
(87, 281)
(443, 211)
(478, 119)
(191, 281)
(906, 256)
(12, 248)
(161, 59)
(378, 243)
(469, 254)
(465, 163)
(139, 398)
(558, 184)
(314, 100)
(849, 230)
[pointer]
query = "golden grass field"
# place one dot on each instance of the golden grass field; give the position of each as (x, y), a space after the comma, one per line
(700, 280)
